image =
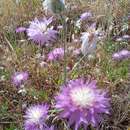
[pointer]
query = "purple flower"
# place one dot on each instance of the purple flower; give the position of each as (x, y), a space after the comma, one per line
(19, 77)
(128, 16)
(116, 56)
(119, 39)
(126, 37)
(122, 38)
(51, 128)
(123, 54)
(20, 29)
(85, 16)
(35, 117)
(82, 103)
(40, 32)
(56, 54)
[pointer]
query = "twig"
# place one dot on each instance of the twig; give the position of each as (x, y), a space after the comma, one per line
(76, 64)
(9, 44)
(9, 122)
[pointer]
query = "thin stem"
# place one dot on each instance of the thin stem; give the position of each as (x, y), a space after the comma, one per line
(76, 64)
(9, 44)
(64, 45)
(65, 62)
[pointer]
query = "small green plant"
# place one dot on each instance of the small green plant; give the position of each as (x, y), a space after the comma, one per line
(3, 109)
(12, 127)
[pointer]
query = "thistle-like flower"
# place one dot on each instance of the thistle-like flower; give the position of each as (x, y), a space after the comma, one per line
(85, 16)
(40, 32)
(56, 54)
(123, 54)
(19, 78)
(55, 6)
(35, 117)
(89, 41)
(82, 103)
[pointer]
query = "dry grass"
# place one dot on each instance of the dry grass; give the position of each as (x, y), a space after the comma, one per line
(13, 14)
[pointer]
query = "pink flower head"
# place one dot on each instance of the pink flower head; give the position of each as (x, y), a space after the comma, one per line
(116, 56)
(119, 39)
(82, 103)
(19, 77)
(126, 37)
(123, 54)
(85, 16)
(35, 117)
(122, 38)
(40, 32)
(56, 54)
(20, 29)
(51, 128)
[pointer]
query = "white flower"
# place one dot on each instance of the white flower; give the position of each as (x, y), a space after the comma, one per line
(36, 113)
(89, 41)
(35, 117)
(78, 24)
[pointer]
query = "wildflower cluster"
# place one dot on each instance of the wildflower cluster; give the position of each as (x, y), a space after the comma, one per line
(123, 54)
(79, 102)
